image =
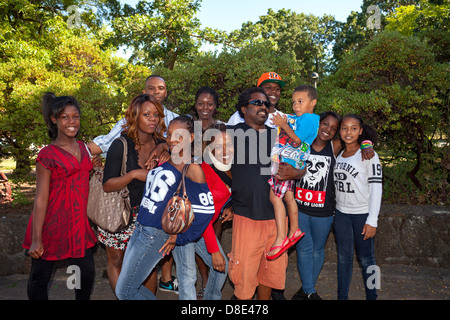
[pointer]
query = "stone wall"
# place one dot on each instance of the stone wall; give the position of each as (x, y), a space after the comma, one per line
(412, 235)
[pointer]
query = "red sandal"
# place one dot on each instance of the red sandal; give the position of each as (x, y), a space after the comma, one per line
(284, 246)
(294, 239)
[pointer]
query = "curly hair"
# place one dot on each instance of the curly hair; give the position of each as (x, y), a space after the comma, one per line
(132, 114)
(244, 97)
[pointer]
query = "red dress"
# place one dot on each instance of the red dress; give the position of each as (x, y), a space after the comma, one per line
(66, 232)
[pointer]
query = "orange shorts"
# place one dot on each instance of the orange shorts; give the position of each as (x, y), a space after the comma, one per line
(248, 267)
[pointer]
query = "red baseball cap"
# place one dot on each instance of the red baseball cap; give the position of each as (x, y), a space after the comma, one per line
(271, 77)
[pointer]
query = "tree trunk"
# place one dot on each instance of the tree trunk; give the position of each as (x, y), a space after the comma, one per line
(419, 147)
(23, 164)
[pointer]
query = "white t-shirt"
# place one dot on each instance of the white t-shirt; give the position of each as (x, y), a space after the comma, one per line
(104, 141)
(236, 118)
(358, 186)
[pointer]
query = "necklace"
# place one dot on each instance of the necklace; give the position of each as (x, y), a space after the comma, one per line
(69, 149)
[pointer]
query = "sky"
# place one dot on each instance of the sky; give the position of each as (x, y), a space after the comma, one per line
(229, 15)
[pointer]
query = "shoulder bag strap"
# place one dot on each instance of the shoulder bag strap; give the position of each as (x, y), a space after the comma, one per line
(185, 169)
(124, 191)
(125, 155)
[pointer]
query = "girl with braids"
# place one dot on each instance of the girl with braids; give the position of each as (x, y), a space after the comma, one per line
(206, 103)
(358, 187)
(149, 243)
(59, 228)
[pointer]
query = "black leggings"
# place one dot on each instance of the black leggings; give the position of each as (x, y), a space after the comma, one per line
(41, 271)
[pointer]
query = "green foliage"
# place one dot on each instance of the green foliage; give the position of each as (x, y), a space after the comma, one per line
(229, 73)
(428, 20)
(354, 34)
(395, 84)
(395, 77)
(159, 32)
(305, 36)
(64, 61)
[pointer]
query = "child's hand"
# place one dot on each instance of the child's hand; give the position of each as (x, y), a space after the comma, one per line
(279, 120)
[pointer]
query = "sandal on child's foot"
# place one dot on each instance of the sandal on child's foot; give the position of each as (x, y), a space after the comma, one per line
(296, 236)
(284, 246)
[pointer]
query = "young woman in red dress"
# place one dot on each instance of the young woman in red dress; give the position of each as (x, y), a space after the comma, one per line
(59, 228)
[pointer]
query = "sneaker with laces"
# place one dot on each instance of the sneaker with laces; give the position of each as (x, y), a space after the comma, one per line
(169, 286)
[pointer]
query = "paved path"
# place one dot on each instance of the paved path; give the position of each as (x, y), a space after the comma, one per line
(398, 282)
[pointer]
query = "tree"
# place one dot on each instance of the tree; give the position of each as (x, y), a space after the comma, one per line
(354, 34)
(43, 54)
(426, 19)
(229, 73)
(159, 32)
(306, 36)
(395, 83)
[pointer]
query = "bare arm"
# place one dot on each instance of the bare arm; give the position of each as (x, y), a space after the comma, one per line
(117, 183)
(288, 172)
(39, 210)
(196, 174)
(281, 121)
(95, 149)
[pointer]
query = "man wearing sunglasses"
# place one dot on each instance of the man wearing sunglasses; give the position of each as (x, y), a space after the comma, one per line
(254, 228)
(272, 84)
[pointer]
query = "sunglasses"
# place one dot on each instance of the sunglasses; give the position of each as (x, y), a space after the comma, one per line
(260, 103)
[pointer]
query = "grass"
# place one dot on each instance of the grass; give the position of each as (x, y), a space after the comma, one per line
(7, 165)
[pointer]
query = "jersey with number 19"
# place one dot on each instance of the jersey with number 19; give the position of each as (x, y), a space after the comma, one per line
(358, 186)
(160, 186)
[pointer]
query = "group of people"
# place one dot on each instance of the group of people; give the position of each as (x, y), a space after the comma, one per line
(241, 176)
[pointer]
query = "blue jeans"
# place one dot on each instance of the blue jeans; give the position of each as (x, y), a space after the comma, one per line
(184, 257)
(347, 229)
(216, 279)
(140, 259)
(311, 248)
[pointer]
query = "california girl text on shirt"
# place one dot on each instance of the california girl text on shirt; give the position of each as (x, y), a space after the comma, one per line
(358, 187)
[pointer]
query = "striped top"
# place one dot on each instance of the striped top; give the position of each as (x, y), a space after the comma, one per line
(358, 186)
(160, 186)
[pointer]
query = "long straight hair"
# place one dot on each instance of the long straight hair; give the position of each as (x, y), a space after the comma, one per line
(132, 113)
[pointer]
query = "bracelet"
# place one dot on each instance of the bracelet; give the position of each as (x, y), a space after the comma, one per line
(366, 144)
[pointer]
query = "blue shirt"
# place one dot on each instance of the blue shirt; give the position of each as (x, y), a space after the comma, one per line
(162, 182)
(305, 126)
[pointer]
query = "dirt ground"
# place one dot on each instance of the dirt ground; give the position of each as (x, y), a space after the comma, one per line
(399, 282)
(27, 191)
